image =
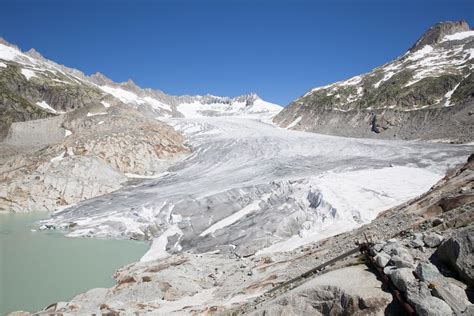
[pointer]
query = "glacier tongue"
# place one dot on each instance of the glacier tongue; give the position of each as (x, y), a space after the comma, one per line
(249, 187)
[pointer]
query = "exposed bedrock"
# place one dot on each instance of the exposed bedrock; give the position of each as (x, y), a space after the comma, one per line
(54, 162)
(458, 253)
(440, 124)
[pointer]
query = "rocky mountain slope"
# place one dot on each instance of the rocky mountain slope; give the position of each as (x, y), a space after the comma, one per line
(427, 93)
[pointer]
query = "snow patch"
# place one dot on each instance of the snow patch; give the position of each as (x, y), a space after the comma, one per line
(67, 133)
(458, 36)
(2, 65)
(386, 77)
(293, 124)
(157, 104)
(8, 53)
(421, 52)
(132, 98)
(89, 114)
(448, 95)
(46, 106)
(105, 104)
(158, 247)
(28, 73)
(58, 158)
(252, 207)
(123, 95)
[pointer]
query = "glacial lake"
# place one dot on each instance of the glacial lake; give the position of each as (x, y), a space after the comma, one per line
(44, 267)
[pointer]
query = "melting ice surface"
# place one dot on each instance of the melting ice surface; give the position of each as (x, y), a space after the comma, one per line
(251, 187)
(40, 268)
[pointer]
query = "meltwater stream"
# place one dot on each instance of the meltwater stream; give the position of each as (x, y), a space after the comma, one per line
(40, 268)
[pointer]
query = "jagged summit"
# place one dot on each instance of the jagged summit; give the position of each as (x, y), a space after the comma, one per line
(100, 78)
(437, 32)
(35, 54)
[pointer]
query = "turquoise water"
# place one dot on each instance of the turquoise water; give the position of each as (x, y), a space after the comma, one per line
(40, 268)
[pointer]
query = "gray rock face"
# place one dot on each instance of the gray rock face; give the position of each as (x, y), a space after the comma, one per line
(458, 253)
(382, 259)
(417, 241)
(59, 183)
(427, 272)
(399, 262)
(35, 133)
(90, 160)
(432, 306)
(419, 296)
(436, 33)
(402, 277)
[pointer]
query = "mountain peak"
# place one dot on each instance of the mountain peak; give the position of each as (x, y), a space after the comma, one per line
(100, 78)
(248, 97)
(436, 33)
(35, 54)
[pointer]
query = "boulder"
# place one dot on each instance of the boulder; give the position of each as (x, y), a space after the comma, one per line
(382, 259)
(432, 240)
(388, 270)
(375, 249)
(402, 277)
(404, 254)
(419, 296)
(433, 306)
(455, 302)
(437, 221)
(458, 253)
(416, 241)
(399, 262)
(429, 273)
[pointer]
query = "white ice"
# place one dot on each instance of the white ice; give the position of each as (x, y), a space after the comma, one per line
(95, 114)
(252, 207)
(46, 106)
(28, 73)
(458, 36)
(158, 247)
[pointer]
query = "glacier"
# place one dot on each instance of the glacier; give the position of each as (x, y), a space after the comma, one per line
(252, 187)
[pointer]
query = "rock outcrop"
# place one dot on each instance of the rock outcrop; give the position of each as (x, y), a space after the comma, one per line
(458, 253)
(438, 31)
(88, 152)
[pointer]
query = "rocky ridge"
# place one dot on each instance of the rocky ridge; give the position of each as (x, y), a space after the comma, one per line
(427, 94)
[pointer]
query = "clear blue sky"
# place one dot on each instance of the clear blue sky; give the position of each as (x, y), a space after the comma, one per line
(279, 49)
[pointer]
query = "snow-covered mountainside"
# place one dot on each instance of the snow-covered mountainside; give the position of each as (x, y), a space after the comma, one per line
(427, 93)
(209, 105)
(33, 87)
